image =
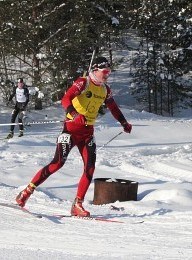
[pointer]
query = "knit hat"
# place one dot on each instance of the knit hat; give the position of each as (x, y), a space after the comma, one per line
(100, 63)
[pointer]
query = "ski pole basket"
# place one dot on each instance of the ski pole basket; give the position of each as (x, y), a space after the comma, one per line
(107, 190)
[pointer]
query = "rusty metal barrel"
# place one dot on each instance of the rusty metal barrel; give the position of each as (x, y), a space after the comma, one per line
(107, 190)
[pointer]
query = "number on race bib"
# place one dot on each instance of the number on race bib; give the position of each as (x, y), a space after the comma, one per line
(64, 139)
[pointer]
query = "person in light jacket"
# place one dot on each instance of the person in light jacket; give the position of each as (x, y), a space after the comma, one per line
(21, 94)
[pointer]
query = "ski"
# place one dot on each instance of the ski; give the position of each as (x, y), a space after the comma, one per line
(89, 218)
(101, 219)
(96, 219)
(15, 206)
(61, 216)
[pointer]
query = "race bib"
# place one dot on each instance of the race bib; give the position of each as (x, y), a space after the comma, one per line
(64, 138)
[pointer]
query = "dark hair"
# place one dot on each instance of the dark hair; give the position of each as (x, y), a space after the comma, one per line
(20, 80)
(101, 63)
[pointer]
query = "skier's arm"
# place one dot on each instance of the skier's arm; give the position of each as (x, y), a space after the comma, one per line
(116, 112)
(12, 94)
(27, 96)
(77, 87)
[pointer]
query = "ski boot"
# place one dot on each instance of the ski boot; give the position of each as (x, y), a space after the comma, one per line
(10, 135)
(20, 133)
(24, 195)
(78, 210)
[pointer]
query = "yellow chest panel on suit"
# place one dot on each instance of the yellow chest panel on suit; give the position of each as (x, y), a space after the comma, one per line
(89, 102)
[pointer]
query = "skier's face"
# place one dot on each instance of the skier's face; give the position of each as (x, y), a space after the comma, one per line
(20, 84)
(102, 74)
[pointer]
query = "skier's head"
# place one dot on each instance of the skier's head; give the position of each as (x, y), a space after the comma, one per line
(100, 63)
(100, 70)
(20, 82)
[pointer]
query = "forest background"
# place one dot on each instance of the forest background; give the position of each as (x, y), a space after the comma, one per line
(50, 43)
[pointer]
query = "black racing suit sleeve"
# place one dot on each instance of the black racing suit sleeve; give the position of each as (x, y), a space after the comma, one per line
(26, 92)
(12, 94)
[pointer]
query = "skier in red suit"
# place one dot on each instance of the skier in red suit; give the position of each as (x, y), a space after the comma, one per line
(81, 103)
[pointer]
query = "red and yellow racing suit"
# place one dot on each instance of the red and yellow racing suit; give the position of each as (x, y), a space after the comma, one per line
(85, 98)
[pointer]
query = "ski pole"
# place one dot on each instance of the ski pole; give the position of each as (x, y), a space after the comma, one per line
(93, 55)
(109, 141)
(90, 64)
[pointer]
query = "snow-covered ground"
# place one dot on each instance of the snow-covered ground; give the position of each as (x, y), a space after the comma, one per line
(157, 155)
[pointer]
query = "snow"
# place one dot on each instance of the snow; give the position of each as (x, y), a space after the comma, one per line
(157, 155)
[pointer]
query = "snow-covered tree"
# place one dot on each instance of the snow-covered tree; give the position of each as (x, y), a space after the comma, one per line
(166, 50)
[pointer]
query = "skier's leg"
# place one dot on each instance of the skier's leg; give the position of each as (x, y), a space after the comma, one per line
(64, 145)
(87, 150)
(88, 153)
(20, 119)
(13, 118)
(62, 150)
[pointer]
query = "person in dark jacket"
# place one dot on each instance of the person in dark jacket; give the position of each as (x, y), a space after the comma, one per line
(21, 94)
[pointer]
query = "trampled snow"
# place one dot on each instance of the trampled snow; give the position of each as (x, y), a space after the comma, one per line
(157, 155)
